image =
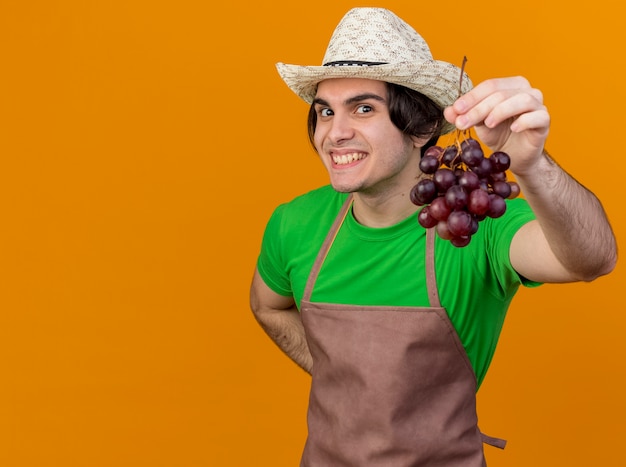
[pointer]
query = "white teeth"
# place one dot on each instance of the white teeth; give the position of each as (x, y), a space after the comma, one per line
(348, 158)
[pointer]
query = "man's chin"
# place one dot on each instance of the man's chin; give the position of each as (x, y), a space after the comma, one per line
(342, 188)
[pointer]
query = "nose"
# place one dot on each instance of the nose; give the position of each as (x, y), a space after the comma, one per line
(341, 128)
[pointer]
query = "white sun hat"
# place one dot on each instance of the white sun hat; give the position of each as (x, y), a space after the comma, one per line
(374, 43)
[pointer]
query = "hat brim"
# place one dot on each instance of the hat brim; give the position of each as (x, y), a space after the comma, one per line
(435, 79)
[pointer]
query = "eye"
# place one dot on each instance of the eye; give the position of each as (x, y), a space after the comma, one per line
(363, 109)
(326, 112)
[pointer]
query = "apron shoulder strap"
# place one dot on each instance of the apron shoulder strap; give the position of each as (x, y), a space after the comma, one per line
(321, 256)
(431, 277)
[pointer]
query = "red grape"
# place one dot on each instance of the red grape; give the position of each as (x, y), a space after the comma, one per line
(439, 209)
(460, 223)
(449, 155)
(472, 156)
(469, 180)
(425, 219)
(443, 231)
(475, 220)
(470, 142)
(429, 164)
(434, 151)
(462, 188)
(515, 190)
(460, 241)
(478, 202)
(501, 188)
(456, 197)
(497, 177)
(497, 206)
(501, 161)
(444, 179)
(423, 192)
(484, 168)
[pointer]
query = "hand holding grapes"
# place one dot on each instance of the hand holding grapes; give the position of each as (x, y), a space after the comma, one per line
(462, 184)
(507, 115)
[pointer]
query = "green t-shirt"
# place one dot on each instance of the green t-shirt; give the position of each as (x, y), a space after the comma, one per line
(386, 266)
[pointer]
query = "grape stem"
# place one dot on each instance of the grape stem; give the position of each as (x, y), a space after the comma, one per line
(461, 78)
(466, 133)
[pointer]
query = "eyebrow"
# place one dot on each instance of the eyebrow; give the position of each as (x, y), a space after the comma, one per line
(351, 100)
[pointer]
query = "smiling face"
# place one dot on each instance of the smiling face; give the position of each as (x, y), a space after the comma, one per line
(363, 151)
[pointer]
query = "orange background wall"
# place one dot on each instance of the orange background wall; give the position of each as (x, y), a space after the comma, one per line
(143, 145)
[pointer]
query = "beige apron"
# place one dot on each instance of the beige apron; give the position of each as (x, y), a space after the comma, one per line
(391, 386)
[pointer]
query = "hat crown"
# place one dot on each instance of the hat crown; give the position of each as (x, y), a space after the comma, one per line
(375, 35)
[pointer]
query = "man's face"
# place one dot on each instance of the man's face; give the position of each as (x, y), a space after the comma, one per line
(361, 148)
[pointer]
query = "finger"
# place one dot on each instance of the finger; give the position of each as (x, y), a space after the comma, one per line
(479, 111)
(487, 88)
(537, 120)
(500, 106)
(477, 103)
(513, 107)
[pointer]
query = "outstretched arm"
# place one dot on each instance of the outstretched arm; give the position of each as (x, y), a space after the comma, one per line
(571, 236)
(571, 240)
(280, 319)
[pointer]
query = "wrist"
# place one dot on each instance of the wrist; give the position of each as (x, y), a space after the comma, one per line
(542, 172)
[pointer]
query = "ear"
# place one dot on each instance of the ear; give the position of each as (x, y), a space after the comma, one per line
(419, 141)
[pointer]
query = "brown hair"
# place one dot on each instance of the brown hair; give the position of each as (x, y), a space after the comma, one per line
(410, 111)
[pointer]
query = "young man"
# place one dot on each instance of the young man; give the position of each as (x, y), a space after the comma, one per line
(396, 326)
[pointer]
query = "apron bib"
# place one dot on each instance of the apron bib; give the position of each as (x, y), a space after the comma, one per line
(391, 386)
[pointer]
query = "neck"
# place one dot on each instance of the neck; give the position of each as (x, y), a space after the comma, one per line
(382, 211)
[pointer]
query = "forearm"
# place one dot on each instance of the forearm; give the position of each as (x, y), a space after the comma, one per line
(572, 219)
(285, 328)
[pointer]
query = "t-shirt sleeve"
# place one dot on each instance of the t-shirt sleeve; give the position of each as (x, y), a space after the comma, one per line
(517, 214)
(271, 262)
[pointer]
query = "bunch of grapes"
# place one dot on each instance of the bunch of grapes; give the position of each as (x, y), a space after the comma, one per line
(461, 188)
